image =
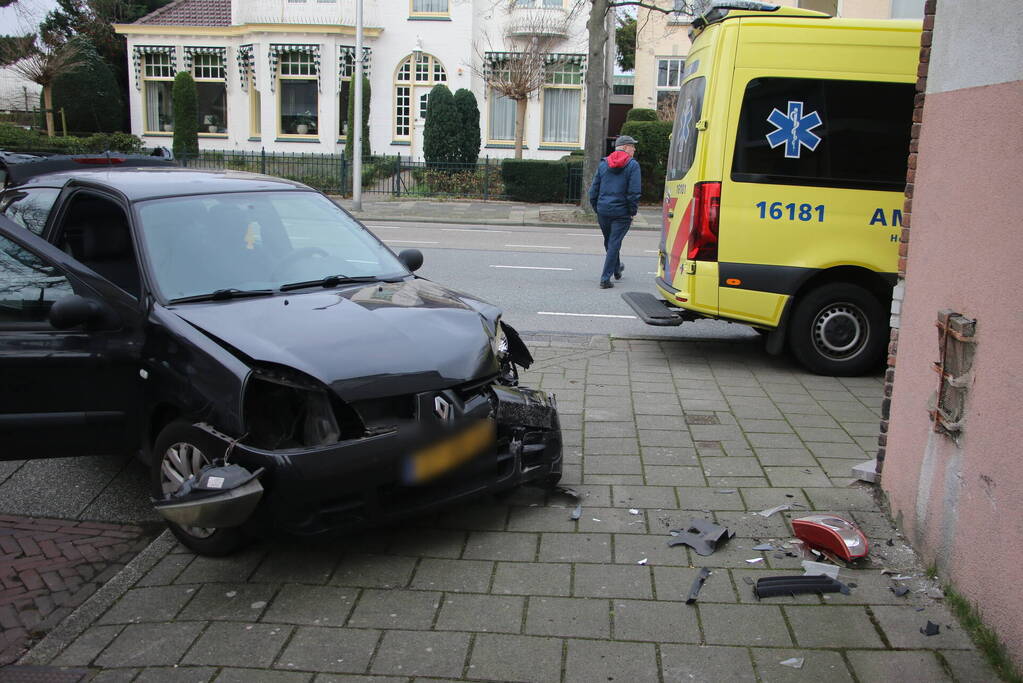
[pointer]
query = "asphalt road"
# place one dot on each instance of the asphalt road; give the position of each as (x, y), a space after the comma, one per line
(546, 278)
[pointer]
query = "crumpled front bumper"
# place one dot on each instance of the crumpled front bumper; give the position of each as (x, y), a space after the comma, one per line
(363, 482)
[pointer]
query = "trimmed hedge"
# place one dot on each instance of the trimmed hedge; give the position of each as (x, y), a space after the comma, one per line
(652, 143)
(17, 139)
(640, 114)
(532, 180)
(350, 141)
(186, 119)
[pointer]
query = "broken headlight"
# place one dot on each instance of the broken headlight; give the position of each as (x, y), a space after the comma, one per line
(499, 342)
(286, 409)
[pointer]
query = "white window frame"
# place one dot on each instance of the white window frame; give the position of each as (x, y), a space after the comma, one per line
(300, 59)
(413, 12)
(156, 73)
(210, 75)
(562, 76)
(406, 79)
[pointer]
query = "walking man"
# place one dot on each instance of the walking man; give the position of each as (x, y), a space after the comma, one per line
(614, 195)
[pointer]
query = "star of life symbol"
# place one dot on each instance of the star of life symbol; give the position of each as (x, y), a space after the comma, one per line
(687, 122)
(794, 130)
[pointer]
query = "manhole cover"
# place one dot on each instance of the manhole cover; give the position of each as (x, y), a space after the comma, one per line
(702, 420)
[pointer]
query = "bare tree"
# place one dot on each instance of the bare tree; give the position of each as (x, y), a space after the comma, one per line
(597, 83)
(43, 67)
(520, 69)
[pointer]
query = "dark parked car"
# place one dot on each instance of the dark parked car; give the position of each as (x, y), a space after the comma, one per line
(275, 364)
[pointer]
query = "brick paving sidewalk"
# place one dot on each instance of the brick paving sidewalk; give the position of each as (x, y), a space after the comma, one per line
(50, 566)
(656, 433)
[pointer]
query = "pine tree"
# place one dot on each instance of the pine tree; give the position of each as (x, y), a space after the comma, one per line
(441, 132)
(469, 122)
(350, 141)
(186, 118)
(89, 93)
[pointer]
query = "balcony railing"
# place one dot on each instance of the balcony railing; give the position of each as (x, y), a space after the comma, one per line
(538, 21)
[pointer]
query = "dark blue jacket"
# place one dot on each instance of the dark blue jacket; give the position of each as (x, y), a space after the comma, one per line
(615, 189)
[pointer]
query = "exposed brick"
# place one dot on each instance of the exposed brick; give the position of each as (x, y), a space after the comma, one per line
(929, 23)
(910, 176)
(903, 249)
(29, 546)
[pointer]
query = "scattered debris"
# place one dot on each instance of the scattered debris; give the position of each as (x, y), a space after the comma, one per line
(725, 491)
(748, 580)
(832, 534)
(595, 519)
(577, 512)
(571, 493)
(694, 590)
(773, 586)
(755, 560)
(643, 561)
(766, 547)
(931, 629)
(852, 584)
(779, 556)
(770, 511)
(794, 662)
(866, 471)
(789, 495)
(900, 591)
(889, 542)
(701, 535)
(633, 511)
(819, 569)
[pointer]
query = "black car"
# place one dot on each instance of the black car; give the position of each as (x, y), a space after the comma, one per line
(275, 364)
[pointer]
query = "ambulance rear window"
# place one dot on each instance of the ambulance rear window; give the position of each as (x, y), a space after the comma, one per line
(684, 135)
(825, 133)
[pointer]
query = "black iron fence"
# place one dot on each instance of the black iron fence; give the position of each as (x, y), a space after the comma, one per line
(393, 176)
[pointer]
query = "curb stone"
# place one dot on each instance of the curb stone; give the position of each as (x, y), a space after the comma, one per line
(78, 621)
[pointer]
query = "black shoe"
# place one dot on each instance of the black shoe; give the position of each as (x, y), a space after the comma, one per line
(606, 284)
(618, 273)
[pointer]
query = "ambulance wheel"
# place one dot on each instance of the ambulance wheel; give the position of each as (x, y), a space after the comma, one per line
(838, 329)
(180, 451)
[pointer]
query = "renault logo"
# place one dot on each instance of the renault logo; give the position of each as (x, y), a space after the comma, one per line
(442, 409)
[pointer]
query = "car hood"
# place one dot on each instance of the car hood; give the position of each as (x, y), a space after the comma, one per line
(383, 339)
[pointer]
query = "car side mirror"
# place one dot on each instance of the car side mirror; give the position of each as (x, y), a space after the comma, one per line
(411, 259)
(73, 311)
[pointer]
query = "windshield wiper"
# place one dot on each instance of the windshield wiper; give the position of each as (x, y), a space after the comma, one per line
(223, 295)
(332, 281)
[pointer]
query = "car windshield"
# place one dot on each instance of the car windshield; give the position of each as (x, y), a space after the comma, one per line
(256, 241)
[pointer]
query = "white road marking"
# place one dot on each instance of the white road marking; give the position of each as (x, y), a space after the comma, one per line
(587, 315)
(386, 227)
(507, 232)
(584, 234)
(536, 246)
(410, 242)
(530, 268)
(651, 251)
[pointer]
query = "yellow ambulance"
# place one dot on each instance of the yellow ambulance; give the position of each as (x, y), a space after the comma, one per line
(784, 189)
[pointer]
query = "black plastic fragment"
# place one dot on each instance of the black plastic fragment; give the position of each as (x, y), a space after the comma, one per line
(694, 590)
(773, 586)
(701, 535)
(899, 590)
(931, 629)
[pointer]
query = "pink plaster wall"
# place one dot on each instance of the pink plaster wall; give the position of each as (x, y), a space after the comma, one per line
(962, 504)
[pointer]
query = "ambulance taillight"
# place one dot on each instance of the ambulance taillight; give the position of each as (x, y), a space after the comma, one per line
(703, 232)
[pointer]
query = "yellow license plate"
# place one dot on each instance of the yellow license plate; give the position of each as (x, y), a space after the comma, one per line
(439, 458)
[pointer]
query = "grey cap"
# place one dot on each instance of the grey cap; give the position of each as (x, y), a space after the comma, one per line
(625, 140)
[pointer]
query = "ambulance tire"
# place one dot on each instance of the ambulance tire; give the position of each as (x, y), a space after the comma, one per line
(838, 329)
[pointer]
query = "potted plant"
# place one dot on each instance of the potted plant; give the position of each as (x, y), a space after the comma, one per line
(305, 122)
(212, 123)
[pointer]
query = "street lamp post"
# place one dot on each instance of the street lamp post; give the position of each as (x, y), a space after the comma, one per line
(356, 129)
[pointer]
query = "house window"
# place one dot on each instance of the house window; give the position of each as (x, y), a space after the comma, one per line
(669, 78)
(255, 108)
(561, 103)
(346, 70)
(419, 72)
(298, 91)
(209, 74)
(157, 87)
(503, 111)
(429, 8)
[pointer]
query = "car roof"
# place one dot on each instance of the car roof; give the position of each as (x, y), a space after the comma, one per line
(138, 184)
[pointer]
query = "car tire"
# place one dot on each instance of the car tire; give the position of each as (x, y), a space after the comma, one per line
(173, 439)
(838, 329)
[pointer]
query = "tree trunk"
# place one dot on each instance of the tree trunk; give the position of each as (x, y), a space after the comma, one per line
(48, 103)
(520, 125)
(596, 91)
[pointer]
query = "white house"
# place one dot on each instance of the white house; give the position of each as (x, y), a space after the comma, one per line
(269, 72)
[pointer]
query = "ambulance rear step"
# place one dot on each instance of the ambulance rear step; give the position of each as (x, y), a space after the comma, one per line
(655, 311)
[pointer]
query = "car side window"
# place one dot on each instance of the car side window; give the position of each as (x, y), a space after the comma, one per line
(28, 285)
(29, 208)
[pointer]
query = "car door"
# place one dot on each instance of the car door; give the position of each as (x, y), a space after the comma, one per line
(63, 392)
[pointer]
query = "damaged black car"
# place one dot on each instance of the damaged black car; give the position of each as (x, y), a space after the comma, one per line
(274, 363)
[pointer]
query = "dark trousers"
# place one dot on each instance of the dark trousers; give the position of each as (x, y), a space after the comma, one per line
(614, 229)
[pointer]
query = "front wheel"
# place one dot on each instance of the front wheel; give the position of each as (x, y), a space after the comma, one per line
(838, 329)
(180, 451)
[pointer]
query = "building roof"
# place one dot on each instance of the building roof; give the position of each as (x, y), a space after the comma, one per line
(191, 13)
